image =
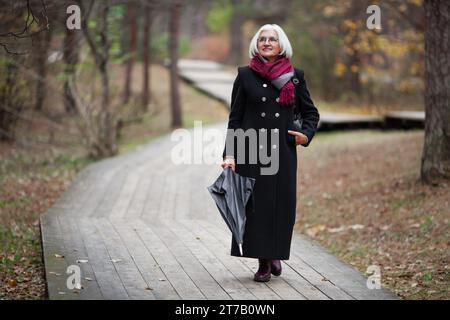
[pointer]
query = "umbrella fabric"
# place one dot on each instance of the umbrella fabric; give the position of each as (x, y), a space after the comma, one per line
(231, 193)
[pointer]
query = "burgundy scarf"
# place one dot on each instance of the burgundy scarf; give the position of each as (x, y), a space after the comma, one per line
(279, 73)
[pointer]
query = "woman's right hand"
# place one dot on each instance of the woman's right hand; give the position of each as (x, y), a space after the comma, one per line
(229, 162)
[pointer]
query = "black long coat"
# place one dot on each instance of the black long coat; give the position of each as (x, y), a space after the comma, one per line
(254, 104)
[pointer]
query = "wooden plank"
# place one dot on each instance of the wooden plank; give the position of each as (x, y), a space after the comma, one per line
(167, 203)
(153, 274)
(108, 195)
(89, 198)
(201, 274)
(137, 203)
(277, 284)
(131, 199)
(183, 194)
(301, 284)
(124, 196)
(306, 272)
(313, 276)
(105, 272)
(155, 192)
(75, 251)
(342, 275)
(196, 236)
(197, 203)
(173, 271)
(55, 266)
(130, 275)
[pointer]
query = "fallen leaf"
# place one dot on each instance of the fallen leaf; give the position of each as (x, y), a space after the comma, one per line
(82, 261)
(356, 226)
(336, 230)
(313, 231)
(12, 283)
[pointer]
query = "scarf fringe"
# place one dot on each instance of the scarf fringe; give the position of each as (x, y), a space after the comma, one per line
(287, 95)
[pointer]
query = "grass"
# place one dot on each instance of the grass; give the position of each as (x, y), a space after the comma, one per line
(371, 178)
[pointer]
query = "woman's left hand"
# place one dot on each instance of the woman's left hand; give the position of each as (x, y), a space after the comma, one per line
(300, 138)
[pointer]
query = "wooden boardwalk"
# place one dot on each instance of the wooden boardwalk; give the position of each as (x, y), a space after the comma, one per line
(214, 80)
(141, 227)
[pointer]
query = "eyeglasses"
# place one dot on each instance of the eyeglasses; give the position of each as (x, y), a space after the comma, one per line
(264, 39)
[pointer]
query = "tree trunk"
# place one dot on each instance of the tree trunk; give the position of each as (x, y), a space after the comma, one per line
(146, 57)
(104, 142)
(71, 53)
(132, 20)
(235, 56)
(43, 44)
(106, 120)
(436, 150)
(174, 24)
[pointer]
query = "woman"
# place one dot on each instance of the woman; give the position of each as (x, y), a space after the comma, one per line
(263, 99)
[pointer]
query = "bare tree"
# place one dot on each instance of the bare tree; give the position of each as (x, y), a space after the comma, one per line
(12, 99)
(14, 28)
(20, 22)
(43, 41)
(147, 12)
(174, 24)
(436, 150)
(131, 18)
(105, 144)
(71, 49)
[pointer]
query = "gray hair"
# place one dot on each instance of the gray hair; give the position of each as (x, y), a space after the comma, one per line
(285, 45)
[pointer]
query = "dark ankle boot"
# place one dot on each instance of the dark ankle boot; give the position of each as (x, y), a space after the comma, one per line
(275, 267)
(263, 274)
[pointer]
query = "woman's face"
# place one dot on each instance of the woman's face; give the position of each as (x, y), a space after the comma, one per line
(269, 44)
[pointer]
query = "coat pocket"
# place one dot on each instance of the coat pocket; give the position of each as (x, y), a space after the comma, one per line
(291, 139)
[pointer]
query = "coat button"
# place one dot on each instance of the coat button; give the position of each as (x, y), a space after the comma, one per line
(260, 146)
(263, 98)
(263, 130)
(277, 114)
(275, 130)
(274, 146)
(277, 99)
(265, 85)
(263, 114)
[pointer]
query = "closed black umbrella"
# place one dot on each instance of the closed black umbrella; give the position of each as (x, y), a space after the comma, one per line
(231, 192)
